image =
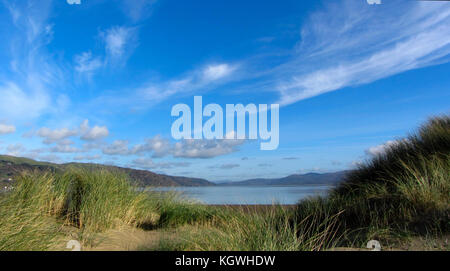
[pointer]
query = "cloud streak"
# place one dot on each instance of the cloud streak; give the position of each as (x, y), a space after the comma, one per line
(389, 39)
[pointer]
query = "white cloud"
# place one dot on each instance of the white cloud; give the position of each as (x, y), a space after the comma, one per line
(381, 149)
(192, 148)
(189, 148)
(94, 133)
(64, 149)
(7, 129)
(76, 2)
(159, 146)
(151, 93)
(32, 75)
(118, 147)
(138, 9)
(86, 63)
(60, 136)
(390, 39)
(215, 72)
(53, 136)
(225, 166)
(119, 41)
(19, 104)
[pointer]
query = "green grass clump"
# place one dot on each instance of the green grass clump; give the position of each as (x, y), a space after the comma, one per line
(403, 191)
(90, 201)
(25, 216)
(99, 200)
(175, 211)
(239, 230)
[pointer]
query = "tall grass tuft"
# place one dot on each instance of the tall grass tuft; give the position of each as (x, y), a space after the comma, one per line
(33, 214)
(99, 200)
(25, 215)
(404, 190)
(239, 230)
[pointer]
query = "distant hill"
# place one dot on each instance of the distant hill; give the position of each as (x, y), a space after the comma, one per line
(10, 166)
(296, 179)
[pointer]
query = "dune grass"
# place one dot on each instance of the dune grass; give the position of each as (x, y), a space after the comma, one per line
(404, 191)
(90, 201)
(239, 230)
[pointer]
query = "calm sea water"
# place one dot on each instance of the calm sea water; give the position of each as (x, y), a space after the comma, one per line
(248, 194)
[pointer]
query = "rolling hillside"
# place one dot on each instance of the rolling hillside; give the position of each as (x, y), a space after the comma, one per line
(10, 166)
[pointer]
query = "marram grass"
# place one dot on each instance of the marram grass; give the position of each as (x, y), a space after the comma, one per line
(403, 191)
(91, 201)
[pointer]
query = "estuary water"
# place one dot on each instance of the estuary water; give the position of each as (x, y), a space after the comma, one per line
(251, 195)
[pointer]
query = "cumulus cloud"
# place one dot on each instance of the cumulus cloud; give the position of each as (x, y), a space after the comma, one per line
(94, 133)
(188, 148)
(382, 148)
(64, 149)
(194, 148)
(118, 147)
(53, 136)
(159, 146)
(61, 136)
(7, 129)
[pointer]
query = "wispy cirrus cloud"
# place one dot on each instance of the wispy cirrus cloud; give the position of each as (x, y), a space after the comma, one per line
(138, 9)
(203, 79)
(352, 43)
(119, 44)
(224, 166)
(87, 63)
(27, 89)
(120, 41)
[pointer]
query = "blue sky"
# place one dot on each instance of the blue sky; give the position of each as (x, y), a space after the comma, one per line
(96, 82)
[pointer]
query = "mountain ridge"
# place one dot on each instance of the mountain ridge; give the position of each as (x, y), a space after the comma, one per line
(332, 178)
